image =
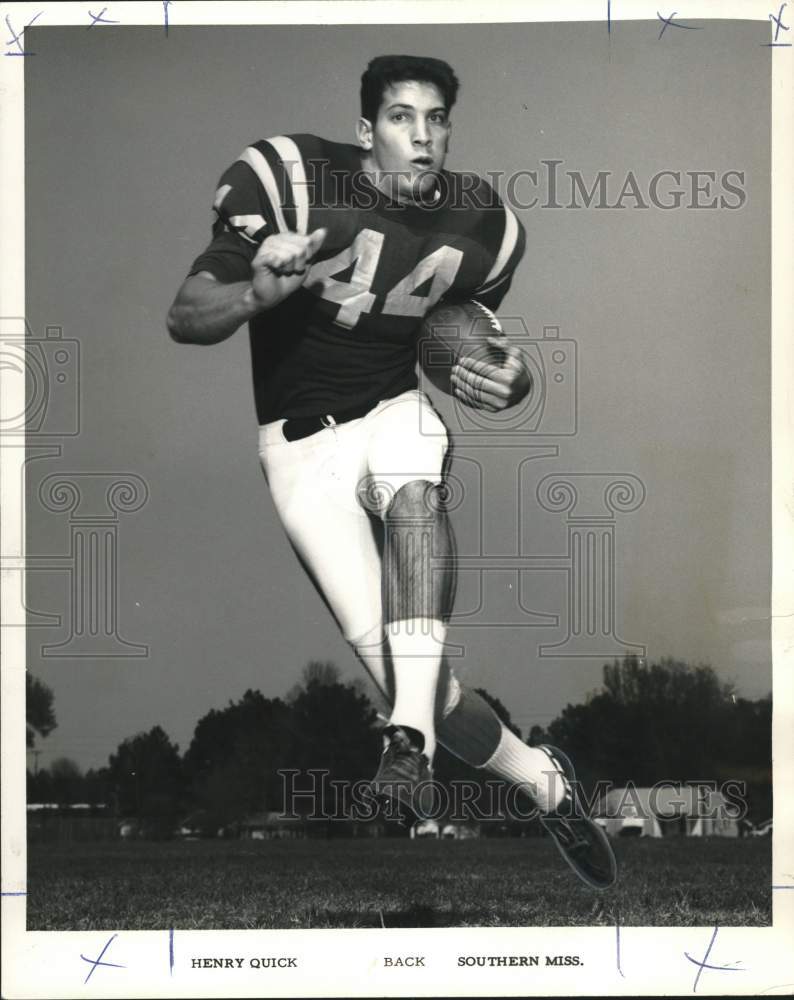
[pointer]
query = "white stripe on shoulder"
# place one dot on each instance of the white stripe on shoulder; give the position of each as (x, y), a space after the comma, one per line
(509, 241)
(261, 168)
(296, 171)
(220, 194)
(247, 225)
(484, 289)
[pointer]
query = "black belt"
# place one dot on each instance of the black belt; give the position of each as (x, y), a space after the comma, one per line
(295, 428)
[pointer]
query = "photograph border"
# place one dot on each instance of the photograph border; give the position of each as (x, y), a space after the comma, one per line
(616, 961)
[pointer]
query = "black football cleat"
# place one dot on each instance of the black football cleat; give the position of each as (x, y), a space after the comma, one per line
(404, 773)
(582, 843)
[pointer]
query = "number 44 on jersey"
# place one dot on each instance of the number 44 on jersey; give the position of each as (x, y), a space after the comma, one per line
(352, 292)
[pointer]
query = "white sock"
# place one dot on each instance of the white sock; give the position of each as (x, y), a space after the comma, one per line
(416, 647)
(516, 762)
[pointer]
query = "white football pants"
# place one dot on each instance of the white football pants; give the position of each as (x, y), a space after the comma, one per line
(328, 487)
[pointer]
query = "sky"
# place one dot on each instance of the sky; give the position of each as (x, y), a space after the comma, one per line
(663, 328)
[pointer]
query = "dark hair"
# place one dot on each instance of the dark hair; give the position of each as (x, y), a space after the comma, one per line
(383, 71)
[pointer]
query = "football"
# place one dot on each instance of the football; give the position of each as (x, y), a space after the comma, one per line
(450, 332)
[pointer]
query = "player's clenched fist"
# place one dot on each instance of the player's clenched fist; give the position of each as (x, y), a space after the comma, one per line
(288, 253)
(281, 265)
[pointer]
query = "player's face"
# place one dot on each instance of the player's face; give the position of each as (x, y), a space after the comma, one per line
(409, 139)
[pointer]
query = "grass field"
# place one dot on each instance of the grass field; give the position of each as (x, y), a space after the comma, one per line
(391, 883)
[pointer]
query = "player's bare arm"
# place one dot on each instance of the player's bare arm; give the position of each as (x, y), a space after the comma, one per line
(206, 311)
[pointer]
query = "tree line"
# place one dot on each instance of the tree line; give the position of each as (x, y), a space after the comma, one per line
(647, 722)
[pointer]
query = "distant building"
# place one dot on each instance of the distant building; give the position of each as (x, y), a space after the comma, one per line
(425, 828)
(272, 826)
(51, 821)
(367, 828)
(456, 830)
(688, 810)
(445, 830)
(72, 807)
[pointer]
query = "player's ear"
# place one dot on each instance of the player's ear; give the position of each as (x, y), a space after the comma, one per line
(364, 133)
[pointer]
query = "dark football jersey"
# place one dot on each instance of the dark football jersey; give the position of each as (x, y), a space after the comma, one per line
(347, 337)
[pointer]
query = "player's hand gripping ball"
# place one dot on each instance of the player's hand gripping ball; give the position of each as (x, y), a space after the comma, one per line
(464, 352)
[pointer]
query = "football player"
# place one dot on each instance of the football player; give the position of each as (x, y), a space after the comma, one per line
(333, 253)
